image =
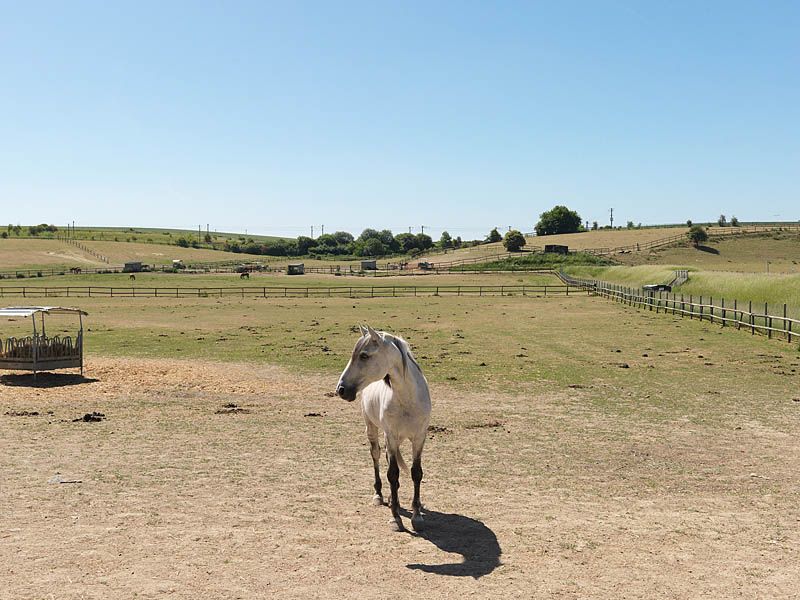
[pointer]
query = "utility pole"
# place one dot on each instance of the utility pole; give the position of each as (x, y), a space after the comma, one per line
(422, 228)
(612, 218)
(323, 229)
(312, 232)
(199, 235)
(409, 230)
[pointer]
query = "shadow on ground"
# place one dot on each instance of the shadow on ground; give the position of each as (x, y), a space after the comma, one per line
(470, 538)
(45, 380)
(708, 249)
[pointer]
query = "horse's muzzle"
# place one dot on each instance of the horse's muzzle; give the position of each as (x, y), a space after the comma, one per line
(346, 393)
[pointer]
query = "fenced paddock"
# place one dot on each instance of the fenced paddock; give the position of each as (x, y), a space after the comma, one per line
(727, 313)
(394, 291)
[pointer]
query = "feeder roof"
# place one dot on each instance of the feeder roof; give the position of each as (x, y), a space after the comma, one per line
(27, 311)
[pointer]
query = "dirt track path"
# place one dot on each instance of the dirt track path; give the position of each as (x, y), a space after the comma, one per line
(528, 496)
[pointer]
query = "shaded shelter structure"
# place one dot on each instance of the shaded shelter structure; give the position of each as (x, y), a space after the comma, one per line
(38, 352)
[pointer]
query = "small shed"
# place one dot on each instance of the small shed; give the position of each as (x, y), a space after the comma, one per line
(369, 265)
(296, 269)
(657, 287)
(556, 249)
(426, 266)
(132, 267)
(38, 352)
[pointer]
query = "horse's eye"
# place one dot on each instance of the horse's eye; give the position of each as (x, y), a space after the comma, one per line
(363, 356)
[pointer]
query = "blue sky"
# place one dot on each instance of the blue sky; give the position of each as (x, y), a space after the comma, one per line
(273, 117)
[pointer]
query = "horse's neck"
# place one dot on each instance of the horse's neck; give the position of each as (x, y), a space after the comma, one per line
(409, 387)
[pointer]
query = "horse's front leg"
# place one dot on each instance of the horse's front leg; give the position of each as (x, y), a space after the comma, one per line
(375, 451)
(417, 522)
(394, 482)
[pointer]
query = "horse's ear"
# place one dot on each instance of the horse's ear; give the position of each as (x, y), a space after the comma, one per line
(374, 334)
(363, 330)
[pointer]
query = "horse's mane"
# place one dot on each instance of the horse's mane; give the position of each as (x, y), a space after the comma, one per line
(404, 347)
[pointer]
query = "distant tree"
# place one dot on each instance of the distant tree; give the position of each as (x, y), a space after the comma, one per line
(373, 247)
(722, 221)
(494, 236)
(207, 238)
(445, 241)
(342, 237)
(594, 225)
(688, 222)
(407, 241)
(558, 219)
(734, 222)
(514, 241)
(4, 234)
(630, 225)
(697, 234)
(367, 234)
(424, 241)
(305, 243)
(457, 242)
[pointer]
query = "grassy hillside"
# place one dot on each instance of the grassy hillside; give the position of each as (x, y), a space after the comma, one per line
(748, 253)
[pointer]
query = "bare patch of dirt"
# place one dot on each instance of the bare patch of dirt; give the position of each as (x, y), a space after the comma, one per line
(587, 498)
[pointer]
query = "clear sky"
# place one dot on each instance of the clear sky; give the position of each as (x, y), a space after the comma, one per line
(461, 115)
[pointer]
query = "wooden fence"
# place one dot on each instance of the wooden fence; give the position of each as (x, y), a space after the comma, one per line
(291, 292)
(741, 315)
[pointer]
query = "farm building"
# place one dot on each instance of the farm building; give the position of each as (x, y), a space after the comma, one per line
(369, 265)
(296, 269)
(132, 267)
(556, 249)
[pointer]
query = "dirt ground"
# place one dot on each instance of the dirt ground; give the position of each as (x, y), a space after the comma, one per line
(210, 480)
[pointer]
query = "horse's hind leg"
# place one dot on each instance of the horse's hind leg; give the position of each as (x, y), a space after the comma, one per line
(375, 451)
(394, 483)
(417, 522)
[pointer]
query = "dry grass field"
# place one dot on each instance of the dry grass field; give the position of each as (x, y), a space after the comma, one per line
(749, 253)
(579, 449)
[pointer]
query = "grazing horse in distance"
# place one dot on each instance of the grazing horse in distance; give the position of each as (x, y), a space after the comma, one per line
(394, 398)
(132, 277)
(244, 275)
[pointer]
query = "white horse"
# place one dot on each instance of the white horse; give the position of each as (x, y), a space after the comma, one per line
(394, 398)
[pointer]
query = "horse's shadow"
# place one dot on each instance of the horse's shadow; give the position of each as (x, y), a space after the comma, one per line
(470, 538)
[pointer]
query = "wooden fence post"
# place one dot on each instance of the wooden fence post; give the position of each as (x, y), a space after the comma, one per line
(785, 322)
(752, 320)
(723, 312)
(767, 321)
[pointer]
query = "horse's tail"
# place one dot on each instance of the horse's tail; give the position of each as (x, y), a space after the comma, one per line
(401, 463)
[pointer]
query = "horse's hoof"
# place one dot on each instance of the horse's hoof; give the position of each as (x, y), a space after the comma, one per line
(377, 500)
(396, 526)
(418, 523)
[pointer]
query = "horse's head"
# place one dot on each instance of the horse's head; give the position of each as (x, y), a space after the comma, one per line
(373, 358)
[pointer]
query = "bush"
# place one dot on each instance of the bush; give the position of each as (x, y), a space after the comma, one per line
(494, 236)
(559, 219)
(697, 235)
(514, 241)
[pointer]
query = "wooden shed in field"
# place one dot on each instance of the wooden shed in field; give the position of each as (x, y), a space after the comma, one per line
(556, 249)
(296, 269)
(369, 265)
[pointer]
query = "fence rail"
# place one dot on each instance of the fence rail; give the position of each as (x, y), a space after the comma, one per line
(736, 314)
(291, 292)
